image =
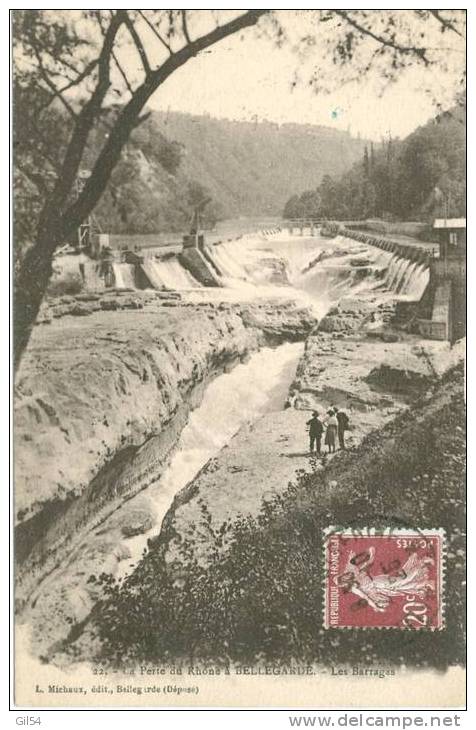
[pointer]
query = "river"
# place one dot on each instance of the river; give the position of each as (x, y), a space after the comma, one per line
(232, 399)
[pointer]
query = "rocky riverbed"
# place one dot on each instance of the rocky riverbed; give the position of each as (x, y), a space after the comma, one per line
(236, 573)
(103, 397)
(346, 362)
(101, 401)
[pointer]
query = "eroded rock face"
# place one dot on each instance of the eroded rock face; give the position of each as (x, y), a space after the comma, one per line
(101, 401)
(359, 373)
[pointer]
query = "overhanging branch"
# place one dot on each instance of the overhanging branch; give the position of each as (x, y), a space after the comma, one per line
(84, 122)
(418, 51)
(155, 31)
(185, 26)
(137, 42)
(445, 23)
(110, 154)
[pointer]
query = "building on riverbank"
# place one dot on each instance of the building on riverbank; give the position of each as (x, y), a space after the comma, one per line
(444, 304)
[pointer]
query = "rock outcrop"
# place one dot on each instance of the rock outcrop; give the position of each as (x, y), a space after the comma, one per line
(101, 401)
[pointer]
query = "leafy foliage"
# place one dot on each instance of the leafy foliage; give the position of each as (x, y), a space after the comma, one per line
(420, 177)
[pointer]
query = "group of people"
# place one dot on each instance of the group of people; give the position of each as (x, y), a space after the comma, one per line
(335, 424)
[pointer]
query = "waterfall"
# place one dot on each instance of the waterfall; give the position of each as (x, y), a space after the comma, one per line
(118, 280)
(346, 267)
(124, 276)
(173, 275)
(402, 274)
(227, 256)
(395, 271)
(407, 275)
(152, 275)
(406, 278)
(322, 269)
(416, 285)
(168, 273)
(91, 275)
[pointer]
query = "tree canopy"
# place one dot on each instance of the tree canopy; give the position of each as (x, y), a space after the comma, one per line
(419, 178)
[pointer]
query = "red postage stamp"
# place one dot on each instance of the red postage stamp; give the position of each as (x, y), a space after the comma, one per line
(389, 578)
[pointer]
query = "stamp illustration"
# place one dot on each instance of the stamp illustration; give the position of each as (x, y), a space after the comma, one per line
(384, 579)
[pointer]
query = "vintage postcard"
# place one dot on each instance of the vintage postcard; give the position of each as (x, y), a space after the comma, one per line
(239, 331)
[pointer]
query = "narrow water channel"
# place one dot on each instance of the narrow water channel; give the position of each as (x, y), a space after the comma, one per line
(249, 391)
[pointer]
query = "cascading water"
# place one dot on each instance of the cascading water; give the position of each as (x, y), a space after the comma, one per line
(92, 275)
(250, 390)
(365, 268)
(172, 274)
(405, 278)
(124, 276)
(230, 258)
(324, 269)
(407, 275)
(247, 392)
(118, 279)
(319, 272)
(416, 284)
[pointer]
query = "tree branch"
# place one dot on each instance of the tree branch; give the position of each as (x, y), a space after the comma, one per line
(388, 42)
(445, 23)
(68, 65)
(137, 42)
(84, 124)
(59, 92)
(184, 25)
(123, 73)
(34, 178)
(114, 56)
(155, 31)
(110, 154)
(48, 81)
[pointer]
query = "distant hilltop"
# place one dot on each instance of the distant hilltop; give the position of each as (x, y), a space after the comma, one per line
(246, 168)
(250, 167)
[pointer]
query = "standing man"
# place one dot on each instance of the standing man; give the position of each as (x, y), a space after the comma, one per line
(342, 425)
(315, 432)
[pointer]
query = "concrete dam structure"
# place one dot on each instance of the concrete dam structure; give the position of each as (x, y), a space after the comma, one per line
(272, 258)
(441, 313)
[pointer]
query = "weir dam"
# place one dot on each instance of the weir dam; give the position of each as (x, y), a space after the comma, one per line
(271, 257)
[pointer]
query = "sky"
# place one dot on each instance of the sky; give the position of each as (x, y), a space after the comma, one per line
(251, 79)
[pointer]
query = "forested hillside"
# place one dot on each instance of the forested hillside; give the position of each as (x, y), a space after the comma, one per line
(174, 159)
(418, 178)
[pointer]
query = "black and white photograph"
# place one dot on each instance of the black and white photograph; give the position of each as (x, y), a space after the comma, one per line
(238, 338)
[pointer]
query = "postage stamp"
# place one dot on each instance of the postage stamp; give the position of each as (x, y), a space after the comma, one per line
(392, 578)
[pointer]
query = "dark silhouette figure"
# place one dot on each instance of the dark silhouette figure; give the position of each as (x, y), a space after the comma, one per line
(316, 429)
(342, 426)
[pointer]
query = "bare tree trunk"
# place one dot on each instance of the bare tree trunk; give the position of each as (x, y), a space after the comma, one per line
(30, 286)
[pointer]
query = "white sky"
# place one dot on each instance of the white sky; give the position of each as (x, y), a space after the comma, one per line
(250, 78)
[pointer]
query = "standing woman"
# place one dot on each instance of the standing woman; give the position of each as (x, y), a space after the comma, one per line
(331, 431)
